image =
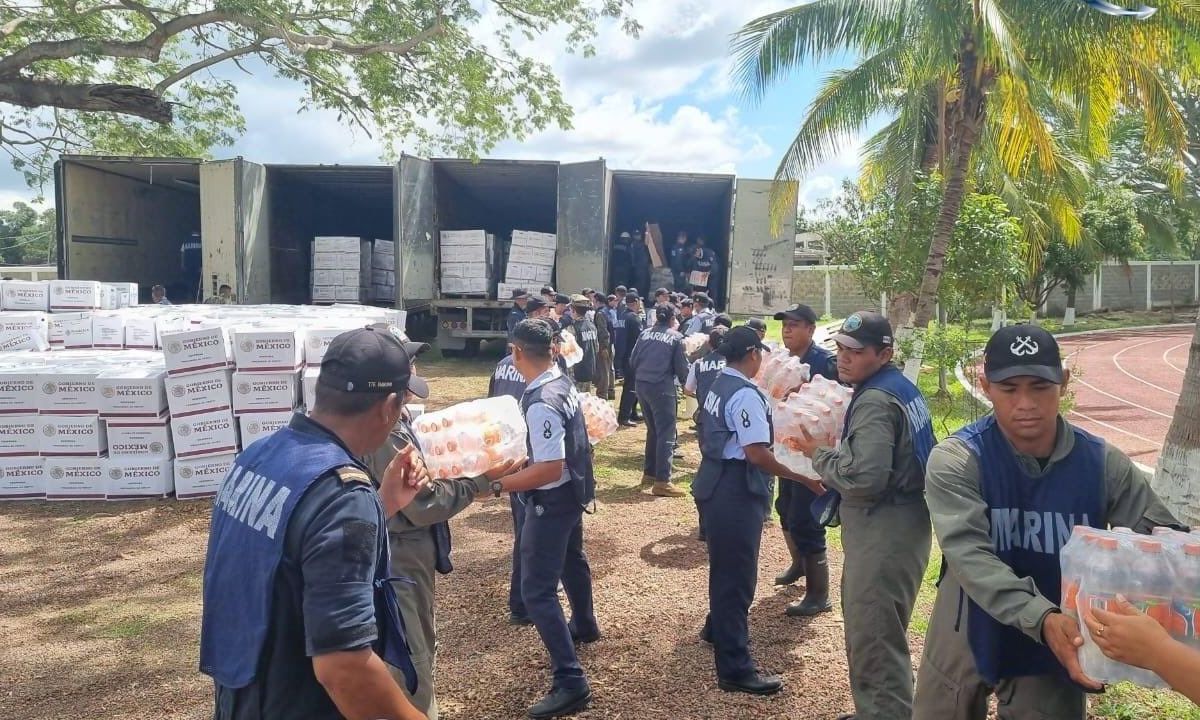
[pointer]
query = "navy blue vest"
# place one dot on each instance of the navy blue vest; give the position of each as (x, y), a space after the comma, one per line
(246, 543)
(920, 425)
(655, 351)
(585, 335)
(442, 541)
(715, 434)
(1031, 519)
(821, 362)
(506, 381)
(559, 395)
(707, 370)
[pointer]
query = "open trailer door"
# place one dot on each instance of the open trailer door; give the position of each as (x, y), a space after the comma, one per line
(416, 232)
(760, 264)
(582, 259)
(235, 229)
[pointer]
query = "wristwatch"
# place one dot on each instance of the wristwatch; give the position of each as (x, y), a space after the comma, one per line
(497, 487)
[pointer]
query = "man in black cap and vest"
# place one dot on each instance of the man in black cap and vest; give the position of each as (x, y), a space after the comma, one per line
(657, 362)
(702, 321)
(299, 620)
(420, 542)
(631, 330)
(555, 487)
(876, 483)
(506, 380)
(604, 347)
(804, 536)
(1004, 494)
(520, 298)
(733, 490)
(562, 310)
(584, 331)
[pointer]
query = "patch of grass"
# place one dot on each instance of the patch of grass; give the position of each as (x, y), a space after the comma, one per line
(79, 618)
(1130, 702)
(950, 412)
(124, 628)
(927, 593)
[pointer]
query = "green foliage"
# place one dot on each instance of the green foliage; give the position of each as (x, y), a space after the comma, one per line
(892, 241)
(428, 75)
(26, 236)
(838, 221)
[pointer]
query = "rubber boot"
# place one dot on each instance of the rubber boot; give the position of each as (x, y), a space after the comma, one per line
(816, 597)
(796, 569)
(666, 489)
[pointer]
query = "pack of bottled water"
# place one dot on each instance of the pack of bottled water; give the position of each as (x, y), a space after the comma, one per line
(781, 374)
(570, 350)
(695, 345)
(1159, 574)
(468, 439)
(600, 416)
(818, 407)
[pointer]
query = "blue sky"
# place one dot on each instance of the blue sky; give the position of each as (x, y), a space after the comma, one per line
(661, 102)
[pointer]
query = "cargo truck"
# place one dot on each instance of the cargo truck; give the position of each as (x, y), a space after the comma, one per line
(194, 225)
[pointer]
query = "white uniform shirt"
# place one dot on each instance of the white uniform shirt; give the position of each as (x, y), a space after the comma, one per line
(547, 434)
(746, 413)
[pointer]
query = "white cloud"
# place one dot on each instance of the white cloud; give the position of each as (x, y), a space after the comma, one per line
(816, 188)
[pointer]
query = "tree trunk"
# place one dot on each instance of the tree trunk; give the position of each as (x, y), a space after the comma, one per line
(1069, 315)
(1177, 481)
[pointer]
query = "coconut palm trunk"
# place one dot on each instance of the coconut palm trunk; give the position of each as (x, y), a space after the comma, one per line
(1177, 481)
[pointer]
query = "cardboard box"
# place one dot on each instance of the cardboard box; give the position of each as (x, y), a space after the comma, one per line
(329, 277)
(351, 278)
(73, 295)
(383, 293)
(383, 261)
(34, 323)
(383, 277)
(473, 238)
(337, 244)
(125, 294)
(384, 247)
(256, 426)
(72, 436)
(198, 350)
(348, 294)
(139, 437)
(129, 478)
(138, 392)
(351, 261)
(531, 255)
(22, 478)
(141, 332)
(19, 436)
(317, 339)
(19, 391)
(70, 330)
(166, 324)
(108, 331)
(528, 238)
(23, 340)
(69, 390)
(26, 295)
(465, 270)
(70, 478)
(265, 392)
(463, 253)
(201, 477)
(268, 349)
(504, 290)
(213, 433)
(324, 294)
(327, 261)
(200, 393)
(309, 381)
(455, 285)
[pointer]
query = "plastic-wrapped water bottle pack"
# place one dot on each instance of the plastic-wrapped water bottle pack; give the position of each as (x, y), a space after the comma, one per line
(1159, 574)
(600, 416)
(818, 407)
(468, 439)
(570, 350)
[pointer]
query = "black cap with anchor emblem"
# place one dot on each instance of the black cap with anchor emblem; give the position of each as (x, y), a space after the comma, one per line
(1022, 350)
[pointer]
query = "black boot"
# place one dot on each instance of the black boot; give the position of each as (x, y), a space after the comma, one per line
(560, 702)
(816, 597)
(796, 569)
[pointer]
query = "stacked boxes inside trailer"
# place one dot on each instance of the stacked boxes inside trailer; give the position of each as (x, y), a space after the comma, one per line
(530, 262)
(337, 269)
(467, 262)
(383, 271)
(162, 406)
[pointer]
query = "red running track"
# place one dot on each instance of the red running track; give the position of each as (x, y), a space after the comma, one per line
(1126, 384)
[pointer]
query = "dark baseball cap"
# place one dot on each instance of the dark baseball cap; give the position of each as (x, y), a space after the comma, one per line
(610, 298)
(662, 291)
(1020, 350)
(686, 302)
(723, 319)
(620, 289)
(374, 359)
(800, 312)
(631, 299)
(757, 324)
(535, 303)
(664, 313)
(739, 341)
(703, 299)
(865, 328)
(519, 293)
(561, 299)
(587, 291)
(547, 290)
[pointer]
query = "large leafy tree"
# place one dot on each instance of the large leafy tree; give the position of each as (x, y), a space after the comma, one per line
(26, 236)
(1013, 90)
(137, 76)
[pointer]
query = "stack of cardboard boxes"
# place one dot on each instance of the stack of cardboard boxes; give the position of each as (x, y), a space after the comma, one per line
(530, 262)
(341, 269)
(383, 272)
(466, 262)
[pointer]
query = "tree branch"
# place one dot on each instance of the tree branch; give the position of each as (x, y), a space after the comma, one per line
(107, 97)
(196, 67)
(298, 42)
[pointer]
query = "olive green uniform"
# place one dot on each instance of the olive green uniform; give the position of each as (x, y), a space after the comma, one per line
(414, 556)
(948, 685)
(886, 538)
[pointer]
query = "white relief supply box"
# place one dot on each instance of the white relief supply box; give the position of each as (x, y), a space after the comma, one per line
(19, 391)
(256, 426)
(351, 278)
(465, 285)
(347, 294)
(383, 277)
(317, 339)
(125, 294)
(504, 291)
(72, 436)
(383, 293)
(461, 254)
(349, 261)
(197, 350)
(25, 322)
(384, 247)
(470, 238)
(326, 261)
(132, 392)
(324, 294)
(199, 393)
(213, 433)
(74, 295)
(130, 478)
(70, 330)
(383, 261)
(333, 244)
(465, 270)
(22, 478)
(139, 436)
(26, 295)
(331, 277)
(19, 435)
(29, 340)
(72, 478)
(531, 255)
(528, 238)
(141, 332)
(265, 392)
(268, 350)
(69, 390)
(108, 331)
(309, 382)
(201, 477)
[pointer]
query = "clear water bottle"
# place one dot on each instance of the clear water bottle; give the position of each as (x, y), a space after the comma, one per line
(1107, 578)
(1150, 590)
(1082, 541)
(1186, 601)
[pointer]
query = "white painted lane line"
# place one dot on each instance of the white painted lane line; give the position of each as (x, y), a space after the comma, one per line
(1116, 360)
(1101, 423)
(1173, 366)
(1123, 401)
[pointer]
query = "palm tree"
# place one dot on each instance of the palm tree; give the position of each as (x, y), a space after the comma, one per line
(997, 89)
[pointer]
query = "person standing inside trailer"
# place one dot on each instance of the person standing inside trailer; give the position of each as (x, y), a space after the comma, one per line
(556, 486)
(998, 623)
(733, 490)
(658, 363)
(419, 536)
(803, 535)
(876, 482)
(639, 254)
(158, 295)
(700, 267)
(520, 298)
(299, 619)
(621, 269)
(587, 337)
(678, 260)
